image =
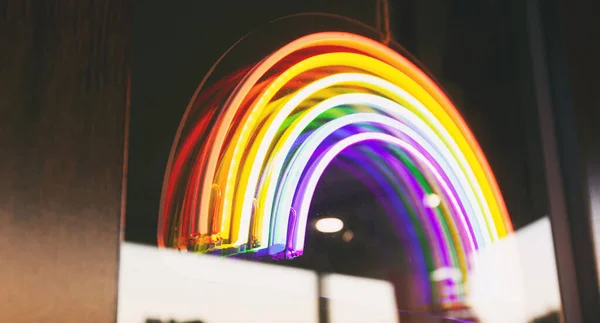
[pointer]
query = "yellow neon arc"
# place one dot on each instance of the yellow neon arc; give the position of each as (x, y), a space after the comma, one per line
(291, 134)
(250, 152)
(284, 143)
(370, 83)
(431, 97)
(241, 204)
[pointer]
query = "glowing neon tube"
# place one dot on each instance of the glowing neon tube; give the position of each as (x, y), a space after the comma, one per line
(386, 106)
(247, 155)
(306, 188)
(336, 124)
(291, 178)
(395, 111)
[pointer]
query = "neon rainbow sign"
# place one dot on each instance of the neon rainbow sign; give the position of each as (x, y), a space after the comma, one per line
(250, 152)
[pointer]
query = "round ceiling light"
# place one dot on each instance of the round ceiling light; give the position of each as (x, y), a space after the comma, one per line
(329, 225)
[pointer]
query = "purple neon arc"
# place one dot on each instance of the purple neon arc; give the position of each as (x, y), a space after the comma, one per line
(306, 189)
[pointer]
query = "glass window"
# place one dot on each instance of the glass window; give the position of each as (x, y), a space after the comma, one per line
(400, 168)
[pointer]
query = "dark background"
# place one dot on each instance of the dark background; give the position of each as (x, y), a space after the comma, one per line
(477, 50)
(63, 109)
(170, 58)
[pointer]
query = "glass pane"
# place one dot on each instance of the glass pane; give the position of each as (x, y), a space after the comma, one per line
(312, 144)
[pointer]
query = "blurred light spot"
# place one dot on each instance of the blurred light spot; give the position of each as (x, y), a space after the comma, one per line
(347, 236)
(329, 225)
(432, 200)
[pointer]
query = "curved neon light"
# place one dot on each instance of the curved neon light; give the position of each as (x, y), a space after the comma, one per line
(250, 152)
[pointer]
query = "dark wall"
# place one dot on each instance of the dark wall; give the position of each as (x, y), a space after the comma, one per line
(577, 72)
(63, 94)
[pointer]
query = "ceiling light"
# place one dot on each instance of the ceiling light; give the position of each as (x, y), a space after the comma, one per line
(329, 225)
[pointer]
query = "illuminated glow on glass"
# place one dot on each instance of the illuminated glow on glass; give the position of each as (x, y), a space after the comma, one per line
(329, 225)
(251, 149)
(348, 236)
(432, 200)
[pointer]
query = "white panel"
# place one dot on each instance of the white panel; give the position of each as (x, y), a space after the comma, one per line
(359, 300)
(515, 280)
(165, 284)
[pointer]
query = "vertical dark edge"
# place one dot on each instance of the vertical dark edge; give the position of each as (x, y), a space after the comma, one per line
(128, 34)
(579, 26)
(557, 204)
(573, 36)
(323, 300)
(572, 126)
(569, 213)
(125, 157)
(121, 236)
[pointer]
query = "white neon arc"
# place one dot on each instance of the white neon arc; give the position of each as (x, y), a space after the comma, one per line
(288, 189)
(246, 212)
(303, 94)
(387, 107)
(286, 193)
(302, 201)
(283, 113)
